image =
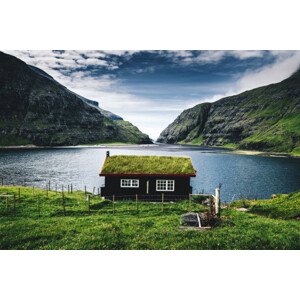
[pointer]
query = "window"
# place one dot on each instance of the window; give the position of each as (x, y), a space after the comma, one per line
(165, 185)
(130, 183)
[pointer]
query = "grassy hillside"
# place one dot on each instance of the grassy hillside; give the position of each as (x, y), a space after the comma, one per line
(264, 119)
(129, 133)
(45, 224)
(36, 109)
(281, 207)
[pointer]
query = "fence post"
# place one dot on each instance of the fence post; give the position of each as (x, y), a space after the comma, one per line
(137, 204)
(217, 202)
(71, 188)
(212, 205)
(49, 185)
(14, 202)
(162, 202)
(38, 206)
(85, 189)
(113, 204)
(63, 203)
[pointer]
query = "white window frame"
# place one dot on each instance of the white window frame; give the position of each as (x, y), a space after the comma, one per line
(129, 183)
(166, 189)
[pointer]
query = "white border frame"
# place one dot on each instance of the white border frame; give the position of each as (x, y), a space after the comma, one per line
(216, 25)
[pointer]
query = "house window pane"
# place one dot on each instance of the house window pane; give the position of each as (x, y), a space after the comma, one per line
(130, 183)
(165, 185)
(170, 185)
(134, 183)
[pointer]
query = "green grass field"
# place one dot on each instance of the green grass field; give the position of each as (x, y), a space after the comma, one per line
(41, 222)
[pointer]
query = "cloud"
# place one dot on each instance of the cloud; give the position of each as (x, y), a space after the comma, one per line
(245, 54)
(215, 56)
(286, 64)
(49, 60)
(121, 52)
(91, 62)
(210, 56)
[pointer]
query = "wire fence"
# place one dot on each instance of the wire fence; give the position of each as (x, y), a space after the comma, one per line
(148, 198)
(32, 202)
(55, 199)
(57, 187)
(96, 191)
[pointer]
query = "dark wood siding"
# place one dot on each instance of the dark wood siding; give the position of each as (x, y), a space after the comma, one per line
(113, 186)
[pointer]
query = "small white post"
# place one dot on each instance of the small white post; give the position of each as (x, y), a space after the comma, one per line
(217, 201)
(88, 200)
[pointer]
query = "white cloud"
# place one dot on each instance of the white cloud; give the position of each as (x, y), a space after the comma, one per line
(91, 62)
(244, 54)
(214, 56)
(121, 52)
(70, 59)
(210, 56)
(284, 66)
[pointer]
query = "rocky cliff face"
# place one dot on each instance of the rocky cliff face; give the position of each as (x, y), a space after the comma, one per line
(265, 118)
(35, 109)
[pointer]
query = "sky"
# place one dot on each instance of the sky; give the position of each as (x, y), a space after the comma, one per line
(151, 88)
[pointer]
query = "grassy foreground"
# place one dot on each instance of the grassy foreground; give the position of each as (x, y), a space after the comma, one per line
(40, 222)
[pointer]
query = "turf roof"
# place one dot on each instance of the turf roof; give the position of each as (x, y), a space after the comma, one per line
(148, 165)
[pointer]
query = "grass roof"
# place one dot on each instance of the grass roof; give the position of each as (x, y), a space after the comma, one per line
(148, 165)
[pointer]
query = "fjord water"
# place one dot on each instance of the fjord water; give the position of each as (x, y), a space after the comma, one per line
(241, 176)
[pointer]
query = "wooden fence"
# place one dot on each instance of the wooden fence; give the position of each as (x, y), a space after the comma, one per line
(63, 203)
(62, 191)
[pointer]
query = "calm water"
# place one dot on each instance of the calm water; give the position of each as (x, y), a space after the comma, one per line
(241, 176)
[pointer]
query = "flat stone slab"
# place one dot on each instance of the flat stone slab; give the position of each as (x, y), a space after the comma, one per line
(242, 209)
(194, 228)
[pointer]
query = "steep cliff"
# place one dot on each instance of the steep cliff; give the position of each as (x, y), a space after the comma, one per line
(265, 118)
(36, 109)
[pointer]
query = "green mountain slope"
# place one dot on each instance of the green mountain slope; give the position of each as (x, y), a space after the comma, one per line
(265, 118)
(36, 109)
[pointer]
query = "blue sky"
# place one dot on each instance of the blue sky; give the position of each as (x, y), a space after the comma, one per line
(150, 88)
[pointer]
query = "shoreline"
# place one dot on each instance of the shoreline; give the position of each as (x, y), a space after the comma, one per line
(261, 153)
(117, 145)
(224, 150)
(228, 150)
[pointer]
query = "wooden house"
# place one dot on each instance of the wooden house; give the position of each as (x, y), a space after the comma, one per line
(149, 177)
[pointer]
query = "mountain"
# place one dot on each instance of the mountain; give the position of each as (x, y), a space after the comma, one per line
(266, 118)
(36, 109)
